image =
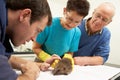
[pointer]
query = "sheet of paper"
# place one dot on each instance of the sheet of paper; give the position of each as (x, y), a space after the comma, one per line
(100, 72)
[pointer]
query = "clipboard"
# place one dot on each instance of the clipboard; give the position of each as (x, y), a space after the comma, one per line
(115, 77)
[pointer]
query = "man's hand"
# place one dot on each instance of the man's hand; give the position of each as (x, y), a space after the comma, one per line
(43, 66)
(30, 71)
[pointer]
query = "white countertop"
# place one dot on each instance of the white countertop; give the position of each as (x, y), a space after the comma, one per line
(100, 72)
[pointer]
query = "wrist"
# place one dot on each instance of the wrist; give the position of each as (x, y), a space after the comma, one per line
(43, 56)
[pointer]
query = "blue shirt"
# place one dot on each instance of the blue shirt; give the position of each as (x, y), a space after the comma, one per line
(95, 45)
(6, 71)
(57, 40)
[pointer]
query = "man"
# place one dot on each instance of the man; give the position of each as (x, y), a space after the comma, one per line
(94, 43)
(20, 21)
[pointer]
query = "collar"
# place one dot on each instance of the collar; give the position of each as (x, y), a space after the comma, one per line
(88, 30)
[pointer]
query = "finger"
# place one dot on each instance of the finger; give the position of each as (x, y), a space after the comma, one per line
(55, 55)
(37, 74)
(56, 58)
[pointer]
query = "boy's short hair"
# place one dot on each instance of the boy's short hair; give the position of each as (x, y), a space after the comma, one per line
(80, 6)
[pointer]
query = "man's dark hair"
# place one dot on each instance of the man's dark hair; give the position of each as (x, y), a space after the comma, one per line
(80, 6)
(39, 8)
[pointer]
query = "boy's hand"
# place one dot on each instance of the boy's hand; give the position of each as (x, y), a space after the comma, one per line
(43, 66)
(69, 56)
(52, 59)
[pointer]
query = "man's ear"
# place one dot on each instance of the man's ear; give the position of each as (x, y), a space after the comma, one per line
(109, 22)
(25, 14)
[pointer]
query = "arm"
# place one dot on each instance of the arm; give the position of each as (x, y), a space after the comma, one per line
(16, 63)
(83, 61)
(36, 48)
(43, 55)
(28, 72)
(6, 71)
(100, 51)
(39, 52)
(9, 73)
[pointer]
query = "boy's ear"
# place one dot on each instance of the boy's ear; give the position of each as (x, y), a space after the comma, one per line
(93, 12)
(25, 14)
(64, 11)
